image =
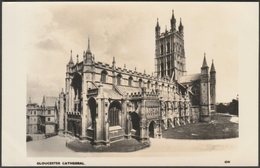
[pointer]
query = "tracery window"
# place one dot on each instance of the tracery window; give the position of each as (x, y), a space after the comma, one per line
(119, 76)
(103, 76)
(130, 80)
(140, 82)
(114, 113)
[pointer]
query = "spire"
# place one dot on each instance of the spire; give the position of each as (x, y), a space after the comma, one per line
(77, 58)
(204, 61)
(180, 27)
(173, 21)
(88, 50)
(212, 69)
(71, 60)
(157, 29)
(113, 63)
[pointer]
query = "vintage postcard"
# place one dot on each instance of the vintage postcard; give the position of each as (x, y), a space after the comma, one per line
(130, 84)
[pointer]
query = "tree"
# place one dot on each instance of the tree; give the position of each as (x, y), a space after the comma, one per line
(221, 108)
(233, 107)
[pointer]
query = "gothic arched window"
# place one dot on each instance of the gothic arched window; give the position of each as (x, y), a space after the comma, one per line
(161, 49)
(119, 76)
(148, 84)
(103, 76)
(169, 68)
(162, 70)
(114, 112)
(168, 47)
(130, 79)
(140, 82)
(156, 85)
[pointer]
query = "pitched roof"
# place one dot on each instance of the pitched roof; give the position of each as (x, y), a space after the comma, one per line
(111, 94)
(127, 89)
(189, 78)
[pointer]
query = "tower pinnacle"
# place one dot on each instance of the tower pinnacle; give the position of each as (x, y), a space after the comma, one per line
(212, 69)
(173, 22)
(88, 50)
(71, 60)
(181, 27)
(204, 61)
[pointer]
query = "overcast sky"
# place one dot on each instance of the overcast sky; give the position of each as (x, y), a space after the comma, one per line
(44, 33)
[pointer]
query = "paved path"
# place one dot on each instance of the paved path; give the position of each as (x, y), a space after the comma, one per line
(55, 147)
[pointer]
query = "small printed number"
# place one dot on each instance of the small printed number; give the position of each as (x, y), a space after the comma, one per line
(227, 161)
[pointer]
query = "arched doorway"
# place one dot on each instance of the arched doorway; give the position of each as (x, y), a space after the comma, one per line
(135, 122)
(92, 108)
(151, 129)
(114, 113)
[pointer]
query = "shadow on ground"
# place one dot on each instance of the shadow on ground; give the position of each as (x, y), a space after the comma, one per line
(127, 145)
(220, 127)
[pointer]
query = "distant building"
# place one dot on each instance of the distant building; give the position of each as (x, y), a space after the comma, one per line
(49, 117)
(42, 119)
(33, 114)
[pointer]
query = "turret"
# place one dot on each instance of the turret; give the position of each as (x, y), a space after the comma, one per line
(181, 28)
(61, 113)
(205, 92)
(213, 87)
(157, 29)
(70, 63)
(113, 72)
(173, 22)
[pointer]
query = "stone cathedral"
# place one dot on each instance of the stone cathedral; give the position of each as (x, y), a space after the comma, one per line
(103, 103)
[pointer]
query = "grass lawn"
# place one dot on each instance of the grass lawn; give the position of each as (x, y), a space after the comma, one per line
(219, 128)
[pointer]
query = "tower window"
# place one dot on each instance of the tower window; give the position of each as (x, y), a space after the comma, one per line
(161, 49)
(103, 76)
(169, 68)
(162, 70)
(168, 47)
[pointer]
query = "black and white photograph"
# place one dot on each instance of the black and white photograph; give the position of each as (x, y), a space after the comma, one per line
(130, 83)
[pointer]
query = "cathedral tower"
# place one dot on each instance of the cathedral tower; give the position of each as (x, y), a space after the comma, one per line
(204, 92)
(169, 51)
(213, 87)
